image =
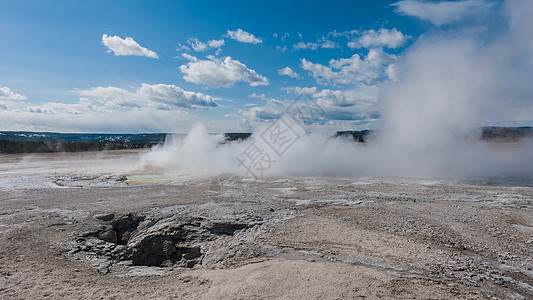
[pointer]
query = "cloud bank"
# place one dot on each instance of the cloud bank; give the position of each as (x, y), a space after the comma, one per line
(128, 121)
(160, 96)
(149, 108)
(352, 107)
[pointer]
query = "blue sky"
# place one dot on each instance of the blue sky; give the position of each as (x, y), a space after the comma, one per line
(161, 66)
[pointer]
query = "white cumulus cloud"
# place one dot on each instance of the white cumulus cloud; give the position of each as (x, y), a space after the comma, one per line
(199, 46)
(381, 38)
(444, 12)
(373, 68)
(126, 47)
(217, 72)
(243, 36)
(216, 43)
(289, 72)
(8, 94)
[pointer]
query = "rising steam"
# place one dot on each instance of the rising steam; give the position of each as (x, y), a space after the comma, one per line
(450, 84)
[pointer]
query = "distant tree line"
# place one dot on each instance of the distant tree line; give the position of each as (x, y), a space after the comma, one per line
(358, 136)
(47, 146)
(505, 134)
(239, 136)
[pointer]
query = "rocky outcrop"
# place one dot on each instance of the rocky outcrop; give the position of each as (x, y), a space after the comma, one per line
(166, 241)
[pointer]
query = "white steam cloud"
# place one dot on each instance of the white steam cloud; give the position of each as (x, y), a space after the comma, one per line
(450, 83)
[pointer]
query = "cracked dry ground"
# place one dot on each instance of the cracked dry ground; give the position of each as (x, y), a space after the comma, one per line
(235, 238)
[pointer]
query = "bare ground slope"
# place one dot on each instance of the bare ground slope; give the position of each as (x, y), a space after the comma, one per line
(236, 238)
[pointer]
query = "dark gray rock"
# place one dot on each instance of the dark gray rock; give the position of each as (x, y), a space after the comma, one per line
(175, 240)
(125, 225)
(105, 217)
(107, 233)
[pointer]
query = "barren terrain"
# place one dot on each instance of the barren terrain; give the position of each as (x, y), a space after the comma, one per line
(70, 231)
